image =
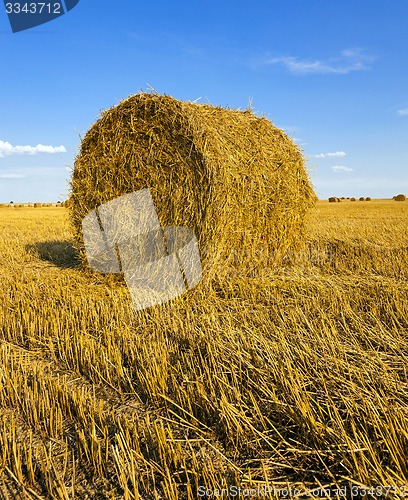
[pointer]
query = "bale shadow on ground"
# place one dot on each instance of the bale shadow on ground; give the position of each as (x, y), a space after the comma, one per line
(62, 254)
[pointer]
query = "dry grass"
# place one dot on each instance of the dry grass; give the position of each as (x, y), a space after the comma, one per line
(295, 377)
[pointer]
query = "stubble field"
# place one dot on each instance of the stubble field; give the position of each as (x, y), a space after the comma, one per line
(289, 381)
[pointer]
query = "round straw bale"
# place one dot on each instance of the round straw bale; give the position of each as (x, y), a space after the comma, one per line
(238, 181)
(332, 199)
(400, 197)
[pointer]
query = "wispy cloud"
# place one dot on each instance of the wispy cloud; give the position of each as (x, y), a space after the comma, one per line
(403, 112)
(340, 169)
(12, 176)
(347, 61)
(336, 154)
(7, 149)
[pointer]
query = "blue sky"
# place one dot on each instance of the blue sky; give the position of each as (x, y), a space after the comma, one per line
(333, 74)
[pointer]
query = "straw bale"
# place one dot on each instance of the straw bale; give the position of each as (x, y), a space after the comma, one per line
(234, 178)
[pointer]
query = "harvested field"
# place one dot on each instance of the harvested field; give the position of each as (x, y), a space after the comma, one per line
(293, 378)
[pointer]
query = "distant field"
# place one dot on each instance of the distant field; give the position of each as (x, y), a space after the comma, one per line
(296, 379)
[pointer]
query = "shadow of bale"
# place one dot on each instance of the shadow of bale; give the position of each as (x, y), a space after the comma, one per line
(62, 254)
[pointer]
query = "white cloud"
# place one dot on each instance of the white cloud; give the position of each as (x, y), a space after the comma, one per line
(289, 129)
(337, 154)
(299, 142)
(12, 176)
(341, 169)
(403, 112)
(6, 149)
(346, 62)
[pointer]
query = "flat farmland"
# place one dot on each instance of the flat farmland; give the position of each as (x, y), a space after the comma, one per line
(287, 381)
